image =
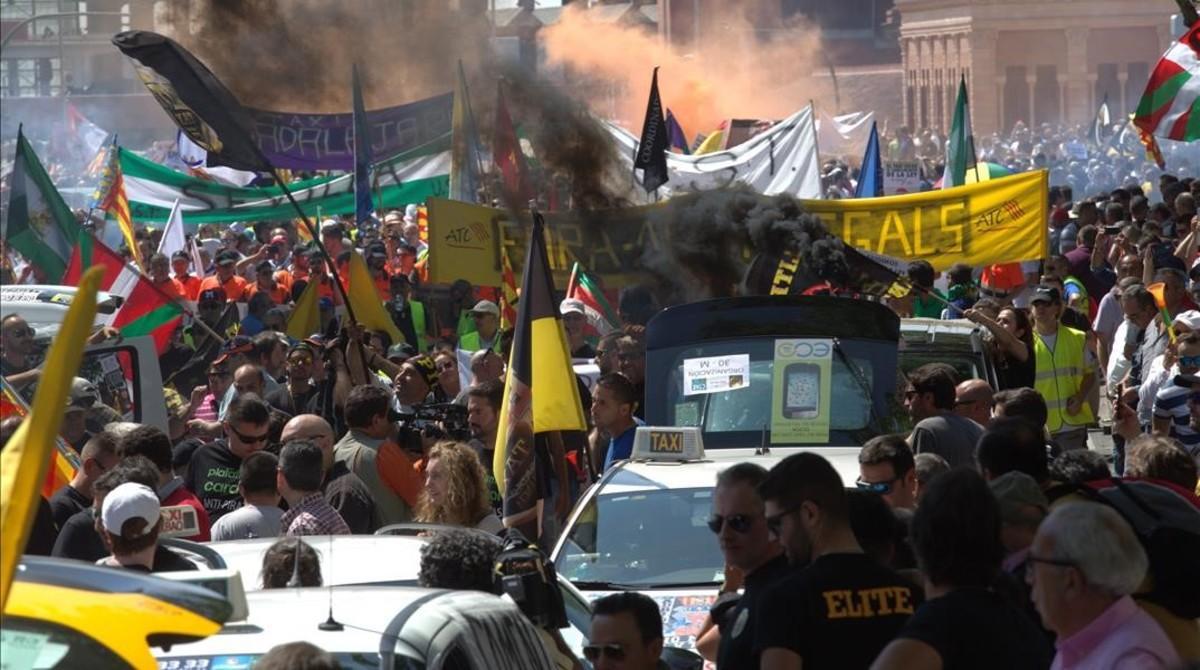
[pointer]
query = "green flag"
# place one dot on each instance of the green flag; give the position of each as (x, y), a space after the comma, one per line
(960, 149)
(40, 225)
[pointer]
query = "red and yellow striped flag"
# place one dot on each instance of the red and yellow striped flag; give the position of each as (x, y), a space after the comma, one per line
(110, 197)
(508, 292)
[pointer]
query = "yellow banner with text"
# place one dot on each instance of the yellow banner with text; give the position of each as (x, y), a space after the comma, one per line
(998, 221)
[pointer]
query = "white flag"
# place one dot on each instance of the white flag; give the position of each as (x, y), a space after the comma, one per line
(197, 260)
(173, 239)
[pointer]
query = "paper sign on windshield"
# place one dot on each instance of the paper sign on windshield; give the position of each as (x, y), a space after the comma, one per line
(800, 391)
(715, 374)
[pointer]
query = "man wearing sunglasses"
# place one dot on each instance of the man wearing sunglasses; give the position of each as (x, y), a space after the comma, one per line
(842, 607)
(215, 468)
(886, 466)
(1172, 411)
(16, 346)
(626, 633)
(929, 400)
(753, 559)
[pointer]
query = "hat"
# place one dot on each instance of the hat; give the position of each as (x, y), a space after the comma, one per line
(211, 295)
(486, 307)
(227, 257)
(1046, 294)
(181, 254)
(571, 305)
(427, 368)
(331, 227)
(1190, 318)
(301, 346)
(1014, 491)
(130, 501)
(401, 352)
(264, 266)
(238, 344)
(83, 394)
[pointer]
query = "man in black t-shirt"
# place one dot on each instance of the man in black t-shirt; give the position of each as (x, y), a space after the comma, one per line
(98, 456)
(215, 468)
(754, 561)
(843, 607)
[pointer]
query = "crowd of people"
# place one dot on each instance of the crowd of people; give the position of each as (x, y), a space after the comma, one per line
(970, 540)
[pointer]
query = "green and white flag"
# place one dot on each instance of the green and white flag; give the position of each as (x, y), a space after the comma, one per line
(152, 190)
(40, 226)
(960, 149)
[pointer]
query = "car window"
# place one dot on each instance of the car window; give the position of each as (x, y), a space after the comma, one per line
(964, 363)
(28, 644)
(644, 538)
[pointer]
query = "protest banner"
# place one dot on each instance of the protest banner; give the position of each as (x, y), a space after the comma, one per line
(152, 189)
(998, 221)
(326, 141)
(901, 177)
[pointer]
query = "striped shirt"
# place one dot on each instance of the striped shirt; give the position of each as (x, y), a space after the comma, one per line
(1172, 403)
(207, 411)
(313, 515)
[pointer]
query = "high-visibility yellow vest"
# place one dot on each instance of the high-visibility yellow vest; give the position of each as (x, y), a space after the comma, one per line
(472, 342)
(1059, 375)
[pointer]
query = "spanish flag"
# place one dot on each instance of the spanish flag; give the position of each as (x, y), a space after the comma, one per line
(540, 391)
(27, 455)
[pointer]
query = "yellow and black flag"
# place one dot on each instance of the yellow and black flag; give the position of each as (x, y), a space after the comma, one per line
(540, 391)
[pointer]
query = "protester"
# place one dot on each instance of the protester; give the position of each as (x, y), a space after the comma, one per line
(1086, 561)
(486, 315)
(296, 656)
(1012, 444)
(574, 318)
(154, 445)
(130, 521)
(927, 467)
(366, 412)
(626, 633)
(886, 467)
(455, 492)
(343, 490)
(1157, 457)
(606, 352)
(973, 400)
(459, 560)
(483, 416)
(215, 467)
(1064, 373)
(282, 568)
(98, 456)
(299, 476)
(614, 404)
(259, 514)
(929, 400)
(631, 362)
(962, 623)
(841, 609)
(753, 562)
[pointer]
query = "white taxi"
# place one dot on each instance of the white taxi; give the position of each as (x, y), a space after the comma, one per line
(644, 526)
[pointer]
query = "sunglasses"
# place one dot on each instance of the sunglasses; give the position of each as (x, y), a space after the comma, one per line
(882, 488)
(248, 439)
(1189, 361)
(740, 523)
(300, 360)
(775, 523)
(593, 652)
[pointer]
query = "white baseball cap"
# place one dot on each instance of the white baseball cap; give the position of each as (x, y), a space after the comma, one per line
(571, 305)
(130, 501)
(486, 307)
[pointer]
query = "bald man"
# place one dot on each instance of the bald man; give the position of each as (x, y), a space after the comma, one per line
(343, 490)
(486, 365)
(973, 400)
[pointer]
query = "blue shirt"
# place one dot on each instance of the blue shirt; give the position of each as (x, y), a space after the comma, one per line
(621, 446)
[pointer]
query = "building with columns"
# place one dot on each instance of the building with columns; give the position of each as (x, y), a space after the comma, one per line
(1044, 61)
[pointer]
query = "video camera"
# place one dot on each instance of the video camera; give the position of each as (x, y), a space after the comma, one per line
(437, 421)
(528, 577)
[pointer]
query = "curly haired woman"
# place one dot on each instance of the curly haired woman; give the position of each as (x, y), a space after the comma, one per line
(456, 490)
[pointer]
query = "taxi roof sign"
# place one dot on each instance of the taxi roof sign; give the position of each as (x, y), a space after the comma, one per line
(653, 443)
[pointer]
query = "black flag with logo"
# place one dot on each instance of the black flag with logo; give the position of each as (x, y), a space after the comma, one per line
(652, 149)
(194, 98)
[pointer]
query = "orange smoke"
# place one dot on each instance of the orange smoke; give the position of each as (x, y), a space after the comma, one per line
(735, 73)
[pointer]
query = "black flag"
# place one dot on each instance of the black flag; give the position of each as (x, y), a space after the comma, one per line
(652, 149)
(195, 99)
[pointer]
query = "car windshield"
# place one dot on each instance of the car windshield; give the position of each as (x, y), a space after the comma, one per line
(643, 538)
(29, 644)
(366, 660)
(783, 391)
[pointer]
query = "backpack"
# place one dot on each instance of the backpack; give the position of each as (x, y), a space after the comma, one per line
(1166, 519)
